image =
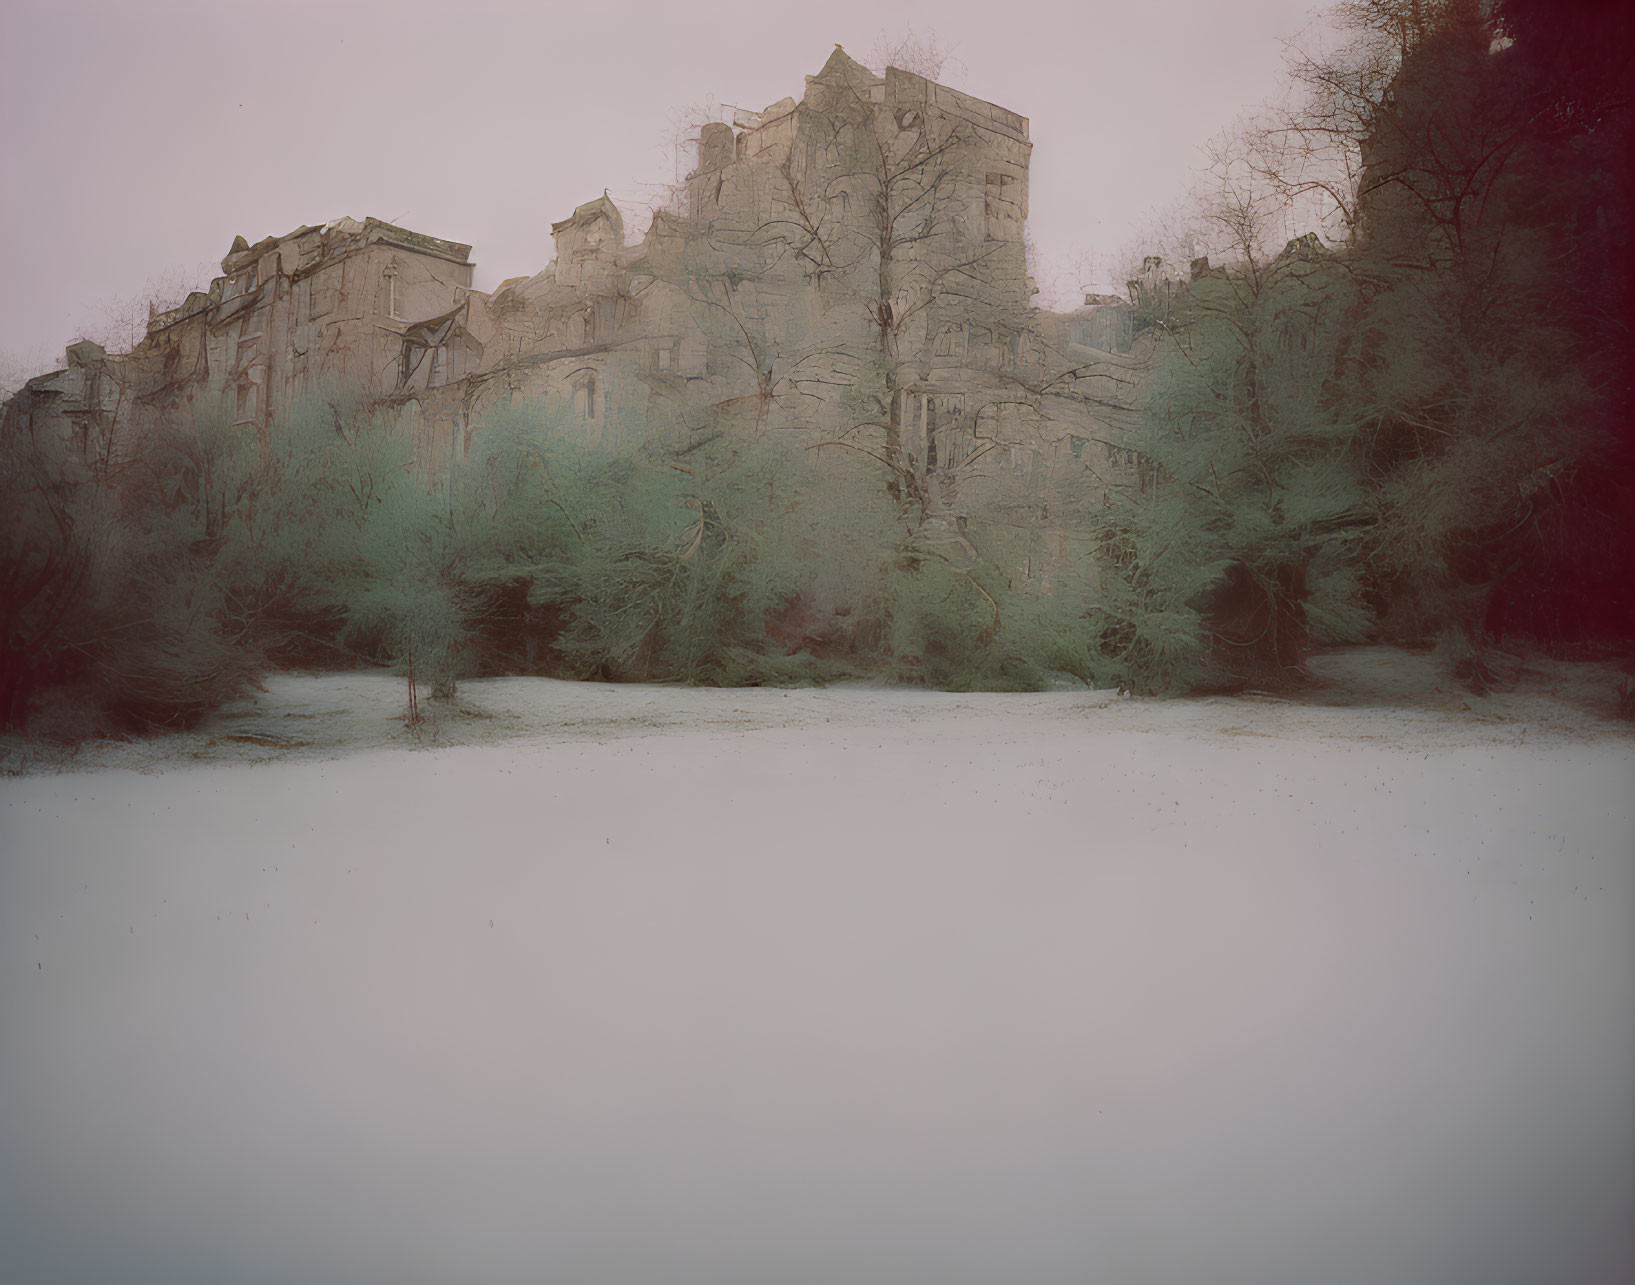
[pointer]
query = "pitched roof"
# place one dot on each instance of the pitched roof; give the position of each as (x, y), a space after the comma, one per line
(842, 66)
(602, 207)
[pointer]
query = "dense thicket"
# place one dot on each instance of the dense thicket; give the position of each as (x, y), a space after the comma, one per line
(145, 593)
(1489, 353)
(1420, 433)
(1423, 433)
(1233, 548)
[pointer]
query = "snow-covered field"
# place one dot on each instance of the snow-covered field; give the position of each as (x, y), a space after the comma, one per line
(636, 985)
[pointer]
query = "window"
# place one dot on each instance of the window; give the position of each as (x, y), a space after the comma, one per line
(584, 395)
(246, 402)
(391, 298)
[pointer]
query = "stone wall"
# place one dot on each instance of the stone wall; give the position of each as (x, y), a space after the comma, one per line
(848, 268)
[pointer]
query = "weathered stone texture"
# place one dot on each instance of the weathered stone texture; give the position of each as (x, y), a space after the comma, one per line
(844, 267)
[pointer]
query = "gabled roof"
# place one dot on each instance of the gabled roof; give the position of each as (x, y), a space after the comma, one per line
(601, 208)
(344, 231)
(842, 66)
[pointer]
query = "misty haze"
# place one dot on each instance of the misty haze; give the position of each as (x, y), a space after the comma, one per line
(1010, 658)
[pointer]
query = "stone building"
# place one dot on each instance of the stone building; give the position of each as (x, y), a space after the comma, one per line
(366, 306)
(847, 269)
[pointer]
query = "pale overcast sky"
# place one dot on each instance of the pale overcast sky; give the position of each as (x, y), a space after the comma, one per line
(140, 138)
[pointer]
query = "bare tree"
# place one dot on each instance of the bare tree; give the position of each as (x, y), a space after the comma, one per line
(836, 249)
(928, 251)
(858, 266)
(16, 369)
(121, 323)
(1324, 146)
(922, 57)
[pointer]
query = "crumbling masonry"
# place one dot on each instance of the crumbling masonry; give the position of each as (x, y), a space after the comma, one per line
(848, 269)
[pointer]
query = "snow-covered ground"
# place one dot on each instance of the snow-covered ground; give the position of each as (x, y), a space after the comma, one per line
(858, 985)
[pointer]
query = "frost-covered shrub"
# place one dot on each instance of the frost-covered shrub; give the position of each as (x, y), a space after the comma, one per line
(1231, 552)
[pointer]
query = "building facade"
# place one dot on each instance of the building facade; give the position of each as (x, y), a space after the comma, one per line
(847, 269)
